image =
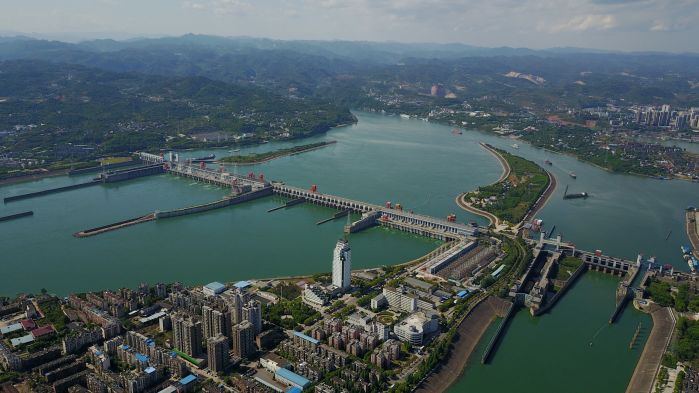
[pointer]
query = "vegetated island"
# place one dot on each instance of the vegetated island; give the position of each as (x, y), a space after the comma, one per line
(255, 158)
(511, 198)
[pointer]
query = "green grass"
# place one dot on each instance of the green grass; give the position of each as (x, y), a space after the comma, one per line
(186, 357)
(53, 315)
(566, 268)
(516, 194)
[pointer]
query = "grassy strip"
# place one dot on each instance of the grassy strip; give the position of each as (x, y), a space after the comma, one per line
(186, 357)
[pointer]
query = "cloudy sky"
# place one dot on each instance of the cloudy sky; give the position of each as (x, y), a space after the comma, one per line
(666, 25)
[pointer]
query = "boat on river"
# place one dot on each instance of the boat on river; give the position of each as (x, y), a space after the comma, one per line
(210, 157)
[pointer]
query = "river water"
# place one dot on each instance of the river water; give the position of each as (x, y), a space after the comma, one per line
(421, 165)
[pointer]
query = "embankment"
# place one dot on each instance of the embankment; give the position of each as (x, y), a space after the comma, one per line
(470, 331)
(647, 366)
(543, 198)
(693, 229)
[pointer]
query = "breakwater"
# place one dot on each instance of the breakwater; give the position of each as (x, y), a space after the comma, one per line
(115, 226)
(177, 212)
(107, 167)
(248, 196)
(16, 216)
(50, 191)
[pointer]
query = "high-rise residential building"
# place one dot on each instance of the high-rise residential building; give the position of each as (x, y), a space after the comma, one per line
(215, 322)
(235, 300)
(187, 334)
(217, 349)
(342, 264)
(252, 312)
(243, 338)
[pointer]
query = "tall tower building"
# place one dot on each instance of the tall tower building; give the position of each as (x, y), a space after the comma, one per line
(243, 339)
(186, 334)
(215, 322)
(234, 300)
(217, 349)
(342, 264)
(252, 312)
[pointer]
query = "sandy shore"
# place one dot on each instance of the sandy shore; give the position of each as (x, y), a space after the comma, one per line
(470, 332)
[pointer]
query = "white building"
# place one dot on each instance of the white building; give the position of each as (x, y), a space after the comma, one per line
(399, 299)
(315, 297)
(342, 265)
(415, 327)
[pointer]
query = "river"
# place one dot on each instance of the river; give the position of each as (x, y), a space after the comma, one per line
(421, 165)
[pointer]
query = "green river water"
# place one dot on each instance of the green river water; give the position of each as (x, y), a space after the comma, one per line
(421, 165)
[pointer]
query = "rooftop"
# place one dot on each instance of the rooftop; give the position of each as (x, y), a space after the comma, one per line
(241, 284)
(188, 379)
(307, 338)
(293, 377)
(42, 331)
(10, 328)
(215, 287)
(22, 340)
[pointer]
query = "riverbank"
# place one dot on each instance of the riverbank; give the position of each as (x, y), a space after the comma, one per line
(693, 229)
(470, 332)
(658, 341)
(254, 159)
(33, 177)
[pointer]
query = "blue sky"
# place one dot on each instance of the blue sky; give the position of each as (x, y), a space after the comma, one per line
(664, 25)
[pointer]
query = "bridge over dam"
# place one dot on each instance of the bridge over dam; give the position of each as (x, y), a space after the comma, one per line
(378, 215)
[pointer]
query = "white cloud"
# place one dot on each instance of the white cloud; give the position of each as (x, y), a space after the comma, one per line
(585, 23)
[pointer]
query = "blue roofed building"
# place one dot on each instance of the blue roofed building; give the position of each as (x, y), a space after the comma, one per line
(213, 288)
(241, 284)
(188, 379)
(141, 358)
(463, 294)
(294, 389)
(307, 338)
(291, 378)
